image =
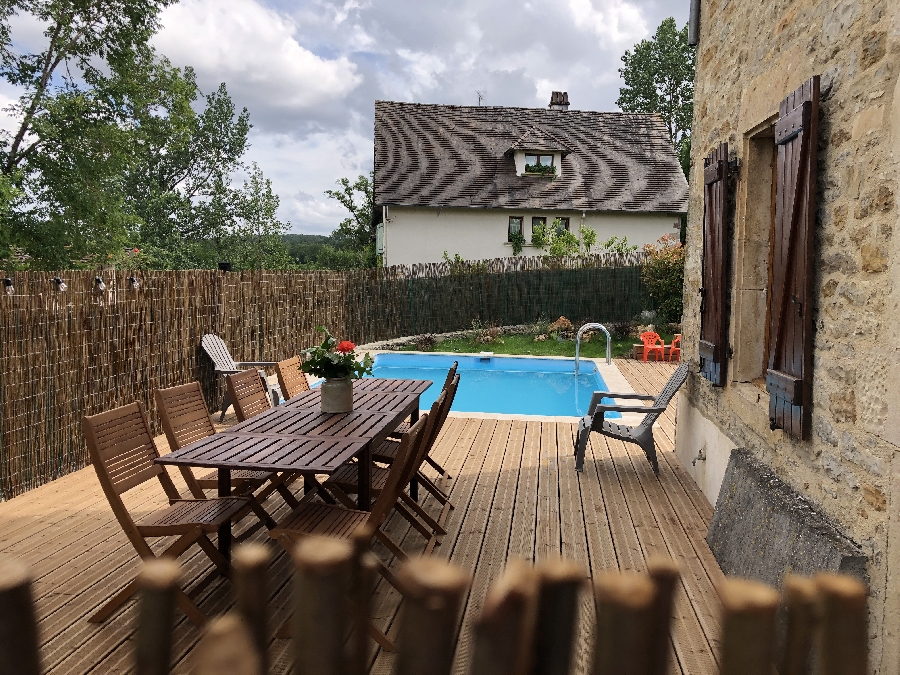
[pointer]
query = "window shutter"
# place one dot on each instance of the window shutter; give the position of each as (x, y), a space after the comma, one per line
(713, 331)
(789, 374)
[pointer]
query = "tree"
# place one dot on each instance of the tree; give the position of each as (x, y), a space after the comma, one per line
(663, 276)
(659, 78)
(69, 153)
(354, 239)
(116, 148)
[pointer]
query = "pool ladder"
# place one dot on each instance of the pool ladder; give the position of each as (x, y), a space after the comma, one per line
(591, 326)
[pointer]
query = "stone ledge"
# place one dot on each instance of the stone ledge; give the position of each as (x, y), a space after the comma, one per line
(762, 528)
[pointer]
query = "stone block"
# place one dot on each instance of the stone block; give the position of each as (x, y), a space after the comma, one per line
(762, 528)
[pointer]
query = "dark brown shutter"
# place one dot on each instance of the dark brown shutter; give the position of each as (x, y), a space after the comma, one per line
(789, 376)
(713, 331)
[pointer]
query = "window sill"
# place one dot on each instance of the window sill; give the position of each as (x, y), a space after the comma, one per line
(537, 175)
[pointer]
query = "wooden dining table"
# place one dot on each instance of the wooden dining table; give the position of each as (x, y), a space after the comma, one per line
(297, 437)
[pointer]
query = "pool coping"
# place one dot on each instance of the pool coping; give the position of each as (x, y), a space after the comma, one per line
(610, 374)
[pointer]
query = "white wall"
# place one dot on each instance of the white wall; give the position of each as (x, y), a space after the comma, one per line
(421, 235)
(702, 448)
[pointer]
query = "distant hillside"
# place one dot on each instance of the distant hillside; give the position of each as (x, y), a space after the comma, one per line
(305, 248)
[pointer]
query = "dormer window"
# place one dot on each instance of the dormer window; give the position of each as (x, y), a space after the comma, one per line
(539, 164)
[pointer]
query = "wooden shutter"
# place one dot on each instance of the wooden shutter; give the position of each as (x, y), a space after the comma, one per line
(789, 374)
(713, 331)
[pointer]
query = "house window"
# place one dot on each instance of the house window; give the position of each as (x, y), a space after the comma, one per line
(515, 227)
(540, 164)
(538, 221)
(562, 225)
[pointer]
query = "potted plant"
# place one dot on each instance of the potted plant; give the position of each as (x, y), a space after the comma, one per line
(338, 364)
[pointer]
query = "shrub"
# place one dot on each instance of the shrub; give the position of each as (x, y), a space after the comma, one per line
(663, 275)
(620, 330)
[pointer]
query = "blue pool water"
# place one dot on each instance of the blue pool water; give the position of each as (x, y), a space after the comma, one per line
(521, 386)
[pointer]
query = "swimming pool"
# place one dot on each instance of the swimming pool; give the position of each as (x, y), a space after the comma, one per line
(501, 384)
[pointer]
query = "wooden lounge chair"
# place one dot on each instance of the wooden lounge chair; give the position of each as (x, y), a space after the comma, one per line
(404, 426)
(386, 452)
(185, 419)
(642, 434)
(122, 452)
(224, 364)
(345, 482)
(290, 378)
(316, 518)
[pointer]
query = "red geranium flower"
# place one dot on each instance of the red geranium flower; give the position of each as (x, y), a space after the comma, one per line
(345, 347)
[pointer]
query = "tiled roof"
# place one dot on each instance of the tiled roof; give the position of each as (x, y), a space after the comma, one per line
(443, 155)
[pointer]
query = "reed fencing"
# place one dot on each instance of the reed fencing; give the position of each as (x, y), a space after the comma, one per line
(66, 354)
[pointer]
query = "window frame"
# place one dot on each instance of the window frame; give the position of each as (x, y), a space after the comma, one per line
(509, 233)
(566, 221)
(539, 156)
(541, 219)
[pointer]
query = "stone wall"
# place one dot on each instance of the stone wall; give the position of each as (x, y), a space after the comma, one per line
(751, 55)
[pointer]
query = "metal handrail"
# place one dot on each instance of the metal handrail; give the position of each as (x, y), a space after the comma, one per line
(591, 326)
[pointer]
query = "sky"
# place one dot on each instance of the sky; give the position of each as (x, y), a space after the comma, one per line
(309, 71)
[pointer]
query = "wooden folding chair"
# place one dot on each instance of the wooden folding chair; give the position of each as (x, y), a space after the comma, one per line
(386, 452)
(247, 394)
(122, 451)
(185, 419)
(317, 518)
(291, 379)
(344, 481)
(404, 427)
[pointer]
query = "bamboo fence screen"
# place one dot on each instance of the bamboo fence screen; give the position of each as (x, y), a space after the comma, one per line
(78, 352)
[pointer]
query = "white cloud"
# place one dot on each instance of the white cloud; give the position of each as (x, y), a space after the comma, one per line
(618, 21)
(254, 50)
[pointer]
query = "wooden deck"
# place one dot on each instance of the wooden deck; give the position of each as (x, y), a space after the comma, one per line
(517, 495)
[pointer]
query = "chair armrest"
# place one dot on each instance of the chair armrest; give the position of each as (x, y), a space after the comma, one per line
(603, 408)
(598, 396)
(257, 364)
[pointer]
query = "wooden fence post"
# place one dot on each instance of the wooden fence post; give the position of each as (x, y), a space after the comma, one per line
(557, 615)
(433, 591)
(843, 640)
(748, 627)
(227, 646)
(665, 574)
(505, 629)
(321, 619)
(159, 584)
(251, 562)
(800, 596)
(625, 623)
(18, 627)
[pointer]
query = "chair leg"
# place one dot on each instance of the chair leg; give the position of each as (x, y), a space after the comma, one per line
(584, 433)
(649, 448)
(226, 403)
(391, 546)
(423, 514)
(115, 602)
(186, 605)
(437, 467)
(412, 520)
(215, 556)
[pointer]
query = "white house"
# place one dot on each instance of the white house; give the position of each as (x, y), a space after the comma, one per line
(466, 179)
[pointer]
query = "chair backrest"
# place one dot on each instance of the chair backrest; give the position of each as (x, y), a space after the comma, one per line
(450, 374)
(291, 379)
(665, 396)
(185, 419)
(406, 454)
(428, 435)
(247, 394)
(216, 349)
(122, 452)
(443, 412)
(650, 339)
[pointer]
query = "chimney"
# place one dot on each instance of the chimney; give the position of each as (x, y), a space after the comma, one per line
(559, 100)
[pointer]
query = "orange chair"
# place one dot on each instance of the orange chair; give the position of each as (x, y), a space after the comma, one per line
(653, 343)
(675, 348)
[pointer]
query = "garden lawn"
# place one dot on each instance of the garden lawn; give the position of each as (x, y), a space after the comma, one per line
(525, 345)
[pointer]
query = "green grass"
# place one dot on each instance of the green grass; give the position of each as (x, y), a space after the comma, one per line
(525, 344)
